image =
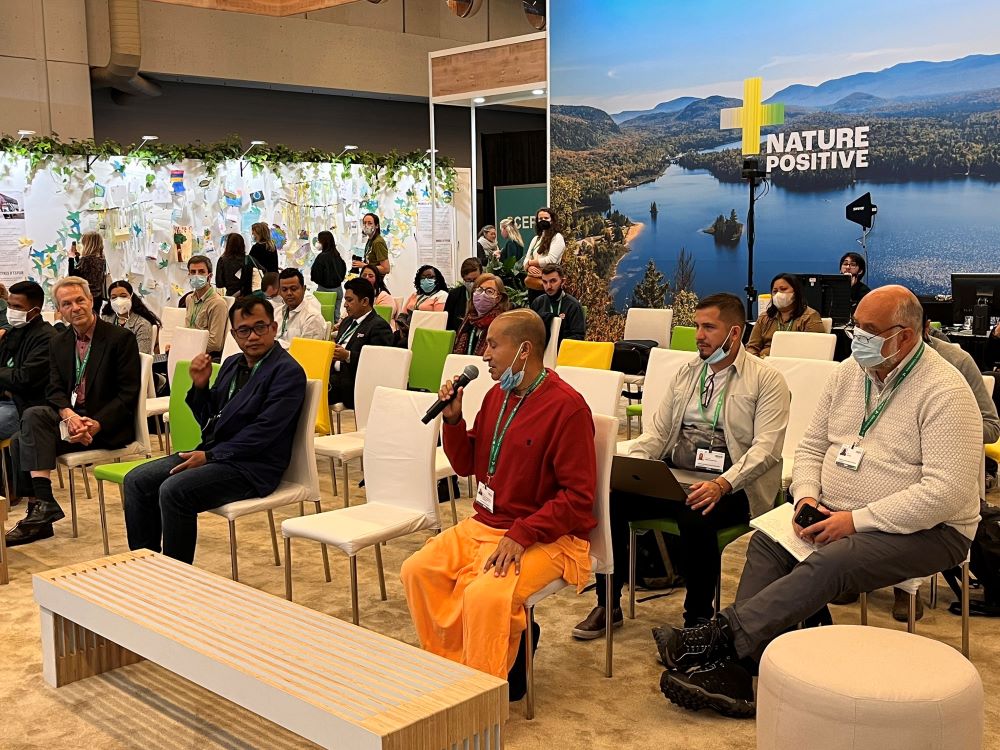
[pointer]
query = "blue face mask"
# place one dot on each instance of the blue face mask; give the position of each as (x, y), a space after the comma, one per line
(718, 355)
(509, 380)
(197, 282)
(867, 349)
(428, 285)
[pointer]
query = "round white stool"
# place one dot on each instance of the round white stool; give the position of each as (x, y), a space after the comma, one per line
(851, 687)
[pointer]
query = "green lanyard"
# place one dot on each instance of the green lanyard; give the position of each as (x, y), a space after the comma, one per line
(232, 384)
(348, 333)
(473, 337)
(284, 322)
(81, 367)
(558, 309)
(194, 307)
(718, 403)
(783, 327)
(498, 439)
(885, 398)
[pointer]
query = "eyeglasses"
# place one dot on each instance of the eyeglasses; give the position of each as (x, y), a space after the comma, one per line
(487, 292)
(708, 391)
(243, 332)
(854, 332)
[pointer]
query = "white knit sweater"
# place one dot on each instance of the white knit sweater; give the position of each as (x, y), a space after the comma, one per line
(922, 458)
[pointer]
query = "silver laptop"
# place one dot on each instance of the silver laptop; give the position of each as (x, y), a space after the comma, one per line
(642, 476)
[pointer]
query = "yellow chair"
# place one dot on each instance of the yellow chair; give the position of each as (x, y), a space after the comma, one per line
(993, 451)
(594, 354)
(315, 357)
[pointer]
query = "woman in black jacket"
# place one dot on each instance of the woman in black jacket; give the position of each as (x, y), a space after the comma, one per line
(329, 269)
(233, 272)
(264, 252)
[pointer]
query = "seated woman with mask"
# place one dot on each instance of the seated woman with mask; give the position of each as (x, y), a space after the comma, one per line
(489, 299)
(126, 309)
(788, 312)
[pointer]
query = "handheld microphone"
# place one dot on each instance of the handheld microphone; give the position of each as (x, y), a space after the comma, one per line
(470, 373)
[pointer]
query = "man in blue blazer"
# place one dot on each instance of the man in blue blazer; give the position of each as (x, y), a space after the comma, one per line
(248, 420)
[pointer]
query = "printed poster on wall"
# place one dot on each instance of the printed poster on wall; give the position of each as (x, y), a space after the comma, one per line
(13, 254)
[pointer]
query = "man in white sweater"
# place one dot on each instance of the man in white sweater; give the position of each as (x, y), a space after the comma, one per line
(892, 460)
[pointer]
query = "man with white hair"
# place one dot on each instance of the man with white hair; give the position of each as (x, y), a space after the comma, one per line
(891, 461)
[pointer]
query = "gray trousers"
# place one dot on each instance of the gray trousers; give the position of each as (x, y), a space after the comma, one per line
(776, 591)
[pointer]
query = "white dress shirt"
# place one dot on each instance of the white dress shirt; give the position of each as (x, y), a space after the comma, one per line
(303, 322)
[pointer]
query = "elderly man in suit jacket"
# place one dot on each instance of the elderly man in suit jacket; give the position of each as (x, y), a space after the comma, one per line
(361, 327)
(248, 420)
(93, 390)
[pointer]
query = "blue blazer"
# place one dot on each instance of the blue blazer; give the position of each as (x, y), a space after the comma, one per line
(255, 429)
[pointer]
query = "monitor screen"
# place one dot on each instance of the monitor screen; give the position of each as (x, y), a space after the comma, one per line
(829, 295)
(968, 288)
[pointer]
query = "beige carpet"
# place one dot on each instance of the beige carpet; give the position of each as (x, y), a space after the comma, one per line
(144, 706)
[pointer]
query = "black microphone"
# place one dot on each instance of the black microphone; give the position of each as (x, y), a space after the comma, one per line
(470, 373)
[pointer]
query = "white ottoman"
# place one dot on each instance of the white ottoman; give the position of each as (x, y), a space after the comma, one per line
(848, 686)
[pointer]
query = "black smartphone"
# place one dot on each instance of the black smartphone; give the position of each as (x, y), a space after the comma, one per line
(808, 515)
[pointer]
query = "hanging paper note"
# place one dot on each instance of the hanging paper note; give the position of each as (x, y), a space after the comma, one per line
(257, 196)
(250, 218)
(183, 242)
(177, 180)
(233, 198)
(161, 197)
(279, 236)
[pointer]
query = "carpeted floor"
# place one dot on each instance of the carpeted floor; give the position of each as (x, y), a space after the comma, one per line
(144, 706)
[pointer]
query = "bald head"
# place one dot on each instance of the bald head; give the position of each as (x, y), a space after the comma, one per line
(890, 306)
(522, 325)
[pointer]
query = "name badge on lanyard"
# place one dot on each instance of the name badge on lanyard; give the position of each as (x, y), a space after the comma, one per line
(850, 457)
(484, 497)
(710, 460)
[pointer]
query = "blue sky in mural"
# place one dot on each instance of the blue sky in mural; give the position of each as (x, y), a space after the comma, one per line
(721, 42)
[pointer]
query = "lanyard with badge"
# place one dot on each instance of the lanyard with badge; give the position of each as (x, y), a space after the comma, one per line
(557, 311)
(81, 368)
(194, 308)
(708, 458)
(349, 332)
(484, 495)
(284, 321)
(850, 455)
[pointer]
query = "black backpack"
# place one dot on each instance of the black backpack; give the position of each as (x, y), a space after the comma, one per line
(632, 357)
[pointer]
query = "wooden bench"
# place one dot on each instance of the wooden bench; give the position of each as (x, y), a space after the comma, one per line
(331, 682)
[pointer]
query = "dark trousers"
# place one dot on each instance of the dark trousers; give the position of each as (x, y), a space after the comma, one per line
(341, 388)
(37, 444)
(699, 561)
(161, 505)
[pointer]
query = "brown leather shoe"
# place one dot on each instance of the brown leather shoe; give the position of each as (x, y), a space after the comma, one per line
(595, 625)
(901, 606)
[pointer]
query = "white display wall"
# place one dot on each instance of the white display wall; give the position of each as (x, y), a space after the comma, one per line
(153, 218)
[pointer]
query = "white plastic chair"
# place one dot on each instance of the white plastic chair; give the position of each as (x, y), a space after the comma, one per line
(472, 402)
(601, 557)
(663, 364)
(387, 366)
(172, 319)
(803, 345)
(230, 301)
(805, 379)
(137, 448)
(436, 321)
(49, 316)
(649, 324)
(190, 343)
(231, 346)
(402, 496)
(552, 347)
(601, 389)
(299, 483)
(827, 324)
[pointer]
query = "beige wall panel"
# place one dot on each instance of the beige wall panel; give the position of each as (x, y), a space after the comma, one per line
(69, 100)
(66, 30)
(383, 17)
(20, 105)
(98, 42)
(17, 28)
(493, 67)
(507, 19)
(432, 18)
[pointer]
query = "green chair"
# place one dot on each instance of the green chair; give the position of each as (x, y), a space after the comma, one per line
(632, 410)
(430, 349)
(384, 312)
(326, 298)
(183, 426)
(327, 311)
(682, 339)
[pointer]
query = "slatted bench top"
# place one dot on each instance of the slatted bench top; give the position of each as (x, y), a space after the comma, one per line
(332, 682)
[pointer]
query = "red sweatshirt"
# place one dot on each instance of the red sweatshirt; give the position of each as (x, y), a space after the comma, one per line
(547, 471)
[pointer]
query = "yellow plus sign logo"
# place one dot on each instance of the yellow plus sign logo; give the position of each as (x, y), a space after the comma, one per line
(752, 116)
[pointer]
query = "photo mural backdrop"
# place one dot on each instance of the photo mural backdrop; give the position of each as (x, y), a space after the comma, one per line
(655, 104)
(153, 218)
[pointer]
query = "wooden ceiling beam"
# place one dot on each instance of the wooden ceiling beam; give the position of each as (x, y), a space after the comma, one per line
(262, 7)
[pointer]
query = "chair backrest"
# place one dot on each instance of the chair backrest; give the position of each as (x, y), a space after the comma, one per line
(475, 392)
(601, 389)
(230, 301)
(188, 343)
(49, 316)
(384, 312)
(663, 364)
(430, 349)
(433, 320)
(827, 324)
(605, 435)
(805, 379)
(682, 339)
(302, 465)
(185, 432)
(315, 357)
(399, 465)
(141, 421)
(154, 336)
(387, 366)
(990, 382)
(231, 346)
(327, 330)
(326, 298)
(172, 319)
(763, 302)
(647, 324)
(551, 353)
(803, 345)
(327, 311)
(595, 354)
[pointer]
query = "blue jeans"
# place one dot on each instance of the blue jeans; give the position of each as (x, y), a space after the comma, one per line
(9, 419)
(160, 504)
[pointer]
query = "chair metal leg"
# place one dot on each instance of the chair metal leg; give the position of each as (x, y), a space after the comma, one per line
(529, 663)
(911, 613)
(864, 608)
(631, 574)
(354, 589)
(934, 591)
(640, 424)
(965, 610)
(4, 571)
(718, 595)
(166, 436)
(338, 422)
(159, 432)
(326, 555)
(274, 537)
(451, 497)
(609, 626)
(333, 475)
(288, 568)
(104, 516)
(72, 501)
(86, 482)
(471, 491)
(347, 485)
(381, 572)
(232, 550)
(8, 489)
(62, 485)
(628, 426)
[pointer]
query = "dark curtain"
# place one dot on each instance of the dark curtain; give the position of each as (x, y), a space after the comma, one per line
(509, 159)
